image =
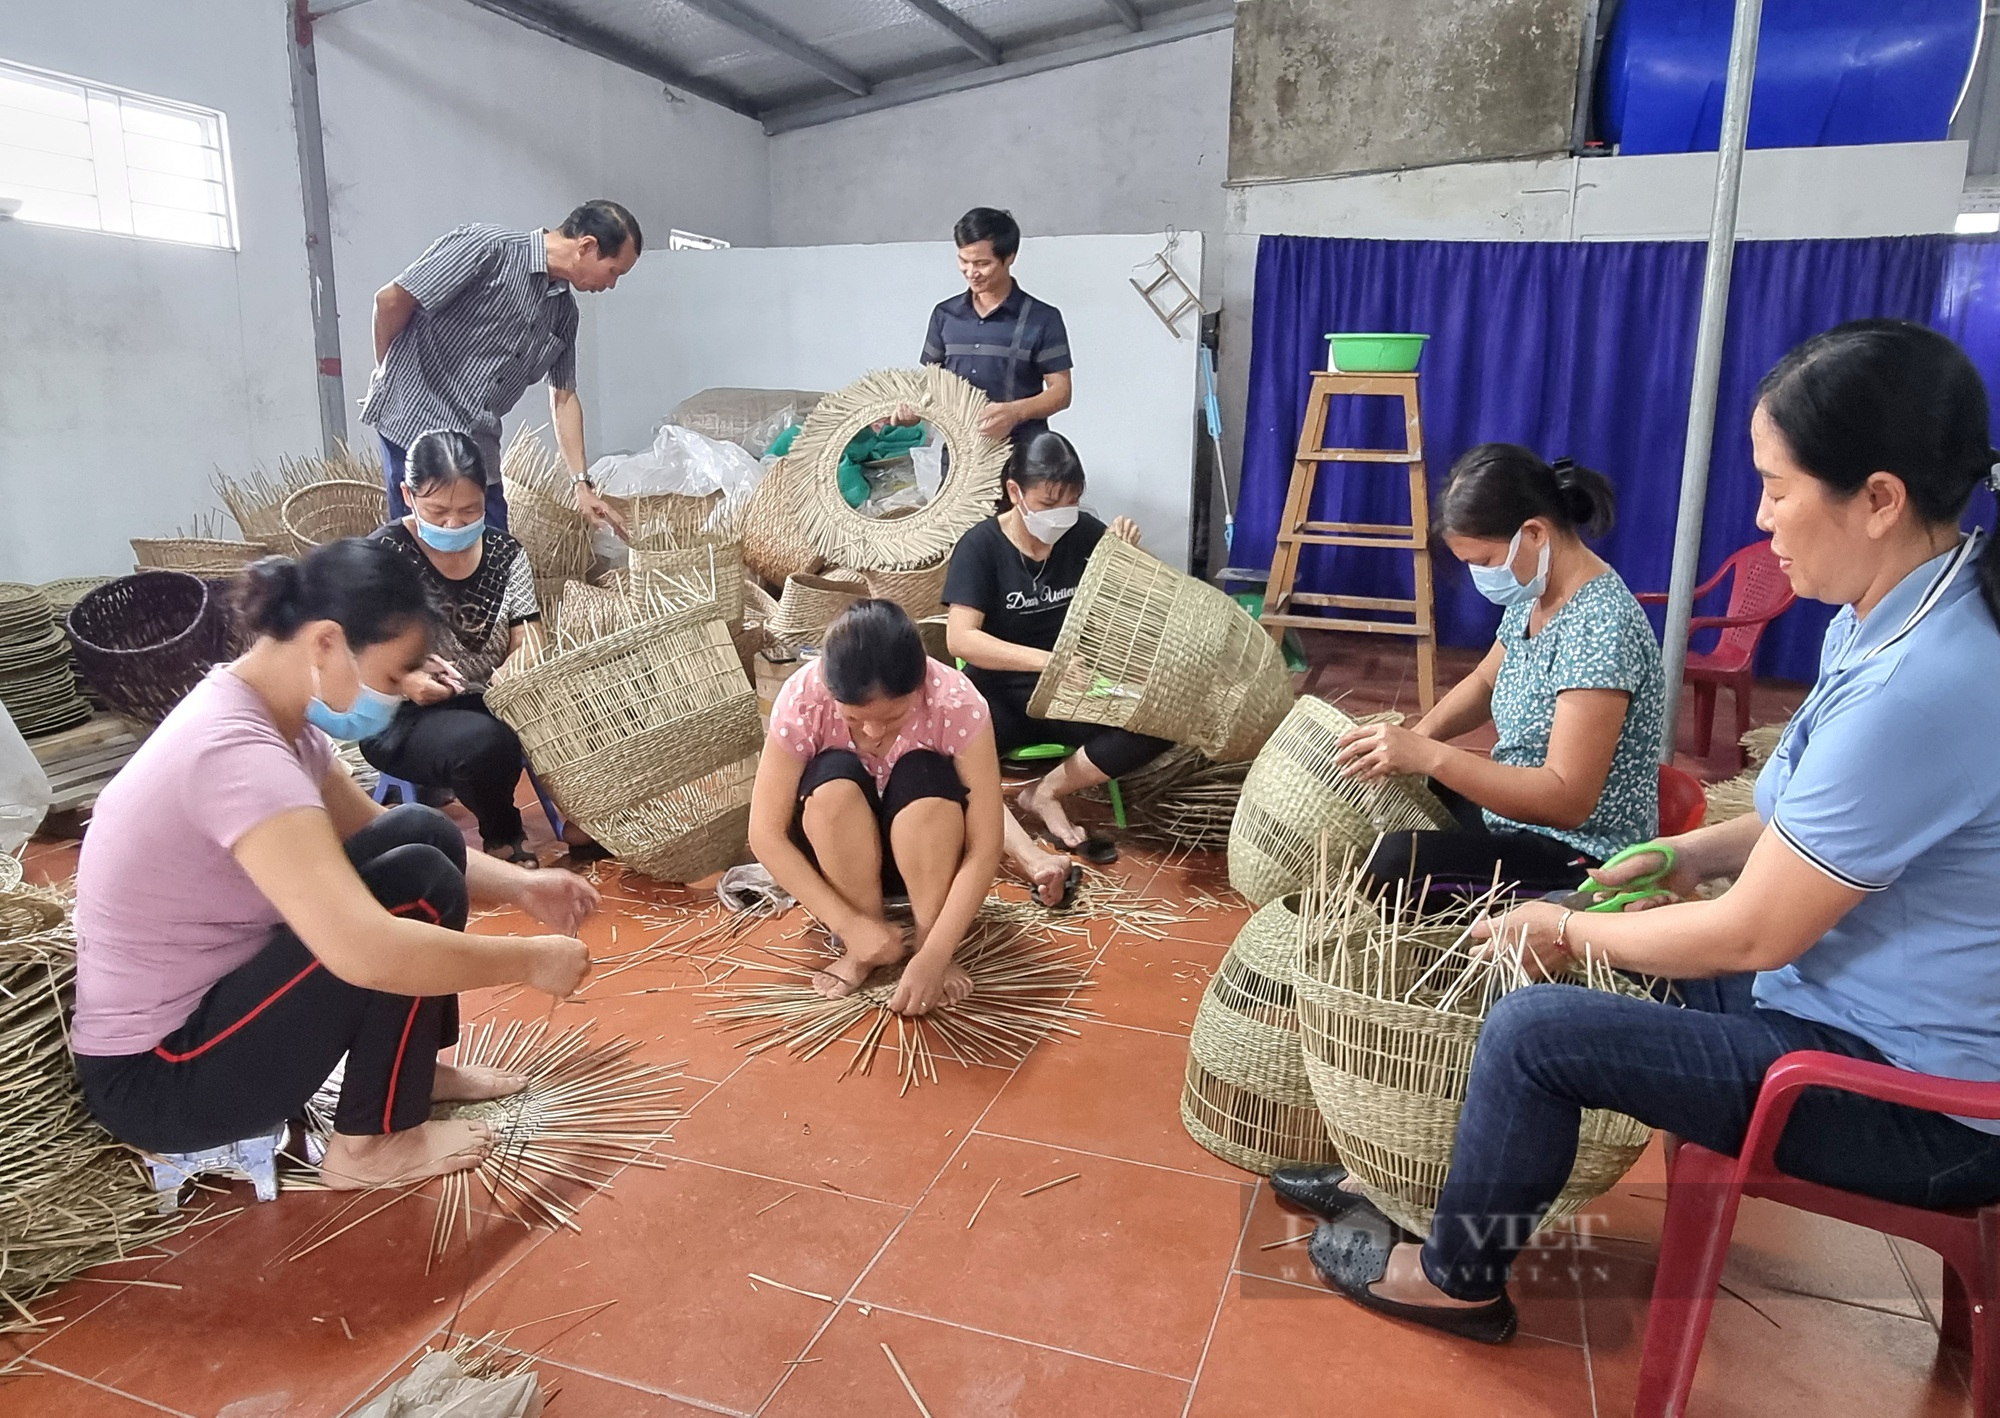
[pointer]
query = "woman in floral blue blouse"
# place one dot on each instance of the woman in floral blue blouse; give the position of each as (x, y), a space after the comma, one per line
(1572, 685)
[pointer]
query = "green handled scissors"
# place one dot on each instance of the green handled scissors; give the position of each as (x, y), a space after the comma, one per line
(1642, 888)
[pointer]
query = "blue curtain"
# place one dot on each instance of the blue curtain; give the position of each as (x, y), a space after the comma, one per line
(1580, 349)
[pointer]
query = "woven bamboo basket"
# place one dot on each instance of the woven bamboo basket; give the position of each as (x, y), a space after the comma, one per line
(920, 592)
(844, 536)
(1293, 795)
(677, 576)
(1181, 799)
(210, 558)
(541, 511)
(143, 641)
(1390, 1007)
(257, 501)
(1246, 1097)
(648, 737)
(774, 542)
(809, 605)
(663, 521)
(591, 613)
(1146, 648)
(326, 512)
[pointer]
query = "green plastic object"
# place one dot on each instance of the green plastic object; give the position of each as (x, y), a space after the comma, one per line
(1374, 354)
(1043, 752)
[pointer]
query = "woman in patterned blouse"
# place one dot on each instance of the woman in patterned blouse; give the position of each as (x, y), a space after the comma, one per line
(1572, 686)
(879, 778)
(478, 577)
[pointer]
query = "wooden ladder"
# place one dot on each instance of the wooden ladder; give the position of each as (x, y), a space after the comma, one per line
(1415, 617)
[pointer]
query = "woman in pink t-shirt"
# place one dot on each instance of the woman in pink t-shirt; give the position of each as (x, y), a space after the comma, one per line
(246, 917)
(880, 778)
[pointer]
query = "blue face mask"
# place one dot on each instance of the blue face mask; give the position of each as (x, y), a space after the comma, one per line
(449, 538)
(1497, 583)
(366, 717)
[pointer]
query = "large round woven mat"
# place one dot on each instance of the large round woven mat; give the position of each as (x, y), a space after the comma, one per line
(847, 537)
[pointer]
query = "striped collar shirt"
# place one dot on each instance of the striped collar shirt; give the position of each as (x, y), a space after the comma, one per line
(490, 321)
(1005, 353)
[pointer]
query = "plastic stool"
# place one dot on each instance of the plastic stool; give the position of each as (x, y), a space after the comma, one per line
(254, 1157)
(407, 792)
(1029, 755)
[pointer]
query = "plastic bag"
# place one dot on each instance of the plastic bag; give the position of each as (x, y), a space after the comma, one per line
(680, 460)
(437, 1387)
(24, 788)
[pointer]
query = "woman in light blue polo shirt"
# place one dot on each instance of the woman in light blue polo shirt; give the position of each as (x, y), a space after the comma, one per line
(1865, 916)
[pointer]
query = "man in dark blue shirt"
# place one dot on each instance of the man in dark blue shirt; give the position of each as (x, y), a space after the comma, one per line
(996, 336)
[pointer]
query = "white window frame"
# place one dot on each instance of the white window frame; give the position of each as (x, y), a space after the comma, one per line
(111, 169)
(678, 240)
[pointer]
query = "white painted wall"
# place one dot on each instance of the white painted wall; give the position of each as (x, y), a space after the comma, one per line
(132, 368)
(1137, 142)
(818, 317)
(438, 113)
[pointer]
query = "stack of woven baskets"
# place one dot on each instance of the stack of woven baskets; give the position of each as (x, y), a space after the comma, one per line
(646, 736)
(37, 683)
(70, 1196)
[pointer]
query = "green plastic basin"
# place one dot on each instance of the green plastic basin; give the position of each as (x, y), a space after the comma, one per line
(1374, 354)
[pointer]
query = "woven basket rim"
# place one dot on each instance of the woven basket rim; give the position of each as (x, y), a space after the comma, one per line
(196, 624)
(845, 536)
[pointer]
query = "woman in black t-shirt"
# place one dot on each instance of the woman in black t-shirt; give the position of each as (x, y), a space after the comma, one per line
(1011, 581)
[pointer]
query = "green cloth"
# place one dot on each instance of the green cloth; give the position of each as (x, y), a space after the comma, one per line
(871, 445)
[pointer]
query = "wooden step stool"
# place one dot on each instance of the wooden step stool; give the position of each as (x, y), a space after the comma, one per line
(1296, 529)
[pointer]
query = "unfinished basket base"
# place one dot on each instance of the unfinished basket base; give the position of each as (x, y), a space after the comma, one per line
(1250, 1131)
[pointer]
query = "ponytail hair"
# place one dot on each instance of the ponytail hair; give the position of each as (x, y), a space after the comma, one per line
(1890, 396)
(873, 651)
(1496, 487)
(367, 588)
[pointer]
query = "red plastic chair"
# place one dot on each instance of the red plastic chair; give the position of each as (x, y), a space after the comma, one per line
(1758, 594)
(1704, 1189)
(1683, 804)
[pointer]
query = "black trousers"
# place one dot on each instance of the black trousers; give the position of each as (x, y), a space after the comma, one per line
(1115, 752)
(1463, 861)
(458, 744)
(266, 1035)
(917, 774)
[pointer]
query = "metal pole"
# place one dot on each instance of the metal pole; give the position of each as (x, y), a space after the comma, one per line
(319, 228)
(1708, 358)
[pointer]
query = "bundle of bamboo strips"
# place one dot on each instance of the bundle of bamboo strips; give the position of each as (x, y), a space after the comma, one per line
(1022, 991)
(1182, 798)
(589, 1110)
(71, 1197)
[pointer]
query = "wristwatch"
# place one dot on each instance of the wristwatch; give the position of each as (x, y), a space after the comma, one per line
(584, 479)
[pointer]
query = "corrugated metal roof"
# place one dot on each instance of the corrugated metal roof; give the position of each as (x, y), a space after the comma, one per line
(838, 45)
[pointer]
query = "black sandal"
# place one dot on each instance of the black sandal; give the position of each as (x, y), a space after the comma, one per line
(1072, 879)
(515, 853)
(1098, 851)
(1353, 1253)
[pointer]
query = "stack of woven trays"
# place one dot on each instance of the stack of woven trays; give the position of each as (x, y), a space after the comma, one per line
(71, 1197)
(37, 684)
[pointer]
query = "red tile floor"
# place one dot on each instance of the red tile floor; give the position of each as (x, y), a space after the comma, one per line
(1160, 1281)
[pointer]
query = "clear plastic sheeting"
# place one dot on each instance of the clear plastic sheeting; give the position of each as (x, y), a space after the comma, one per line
(438, 1387)
(680, 461)
(24, 788)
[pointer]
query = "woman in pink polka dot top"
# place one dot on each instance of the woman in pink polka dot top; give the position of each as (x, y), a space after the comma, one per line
(880, 778)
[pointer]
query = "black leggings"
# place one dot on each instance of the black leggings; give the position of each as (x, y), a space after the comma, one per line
(919, 773)
(458, 744)
(266, 1035)
(1462, 861)
(1113, 752)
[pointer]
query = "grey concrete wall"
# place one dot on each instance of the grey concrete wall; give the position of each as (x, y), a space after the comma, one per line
(1127, 144)
(1323, 87)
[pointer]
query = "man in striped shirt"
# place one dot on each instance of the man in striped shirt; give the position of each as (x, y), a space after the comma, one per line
(996, 336)
(476, 319)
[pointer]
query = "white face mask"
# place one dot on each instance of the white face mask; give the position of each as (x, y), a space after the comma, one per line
(1049, 525)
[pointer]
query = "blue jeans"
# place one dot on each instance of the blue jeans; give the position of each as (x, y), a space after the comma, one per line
(1550, 1051)
(399, 507)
